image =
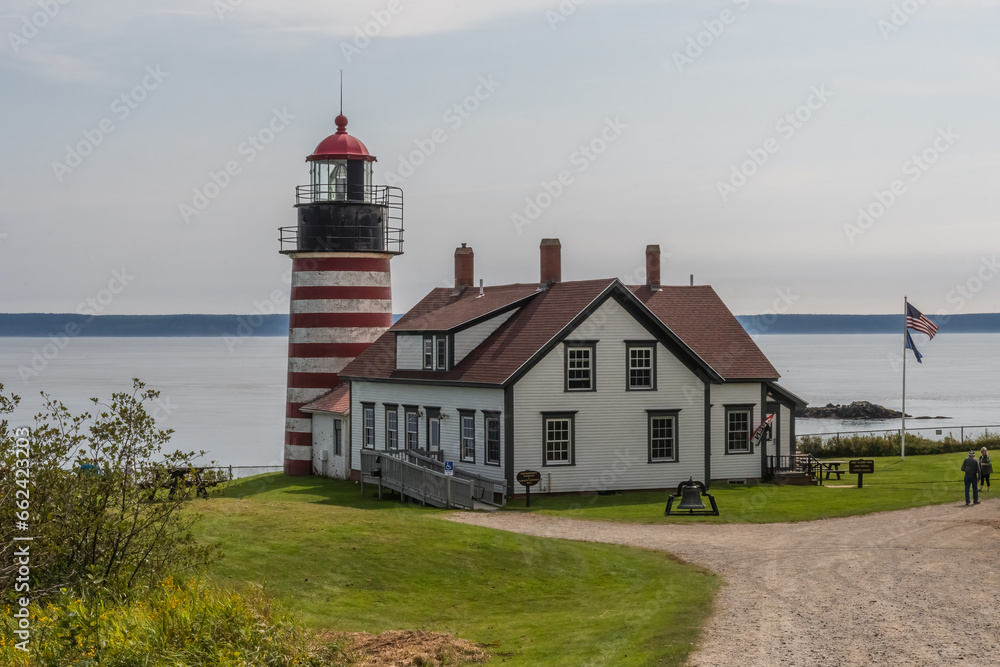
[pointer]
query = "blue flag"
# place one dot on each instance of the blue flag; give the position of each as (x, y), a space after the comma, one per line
(911, 346)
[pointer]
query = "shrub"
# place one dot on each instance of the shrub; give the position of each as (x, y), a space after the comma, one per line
(77, 488)
(177, 624)
(857, 445)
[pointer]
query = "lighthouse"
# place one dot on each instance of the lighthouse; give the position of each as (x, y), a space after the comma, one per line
(341, 298)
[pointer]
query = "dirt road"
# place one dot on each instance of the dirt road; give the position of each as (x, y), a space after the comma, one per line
(914, 587)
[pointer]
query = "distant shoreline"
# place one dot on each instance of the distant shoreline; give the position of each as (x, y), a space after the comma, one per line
(43, 325)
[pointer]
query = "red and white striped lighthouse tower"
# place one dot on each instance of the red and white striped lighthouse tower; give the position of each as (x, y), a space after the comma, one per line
(341, 299)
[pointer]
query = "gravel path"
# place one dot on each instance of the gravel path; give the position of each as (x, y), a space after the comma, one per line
(914, 587)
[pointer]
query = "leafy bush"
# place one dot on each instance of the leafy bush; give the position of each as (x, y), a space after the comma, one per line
(174, 625)
(79, 488)
(854, 446)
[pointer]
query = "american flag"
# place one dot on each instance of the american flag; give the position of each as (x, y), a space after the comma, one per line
(918, 322)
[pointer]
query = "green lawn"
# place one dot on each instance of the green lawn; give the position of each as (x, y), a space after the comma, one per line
(342, 562)
(896, 484)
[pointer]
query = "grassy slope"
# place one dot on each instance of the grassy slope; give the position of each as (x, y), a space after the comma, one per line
(896, 484)
(349, 564)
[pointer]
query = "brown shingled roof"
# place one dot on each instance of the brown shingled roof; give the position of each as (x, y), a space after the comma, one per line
(337, 401)
(695, 315)
(699, 317)
(542, 317)
(442, 309)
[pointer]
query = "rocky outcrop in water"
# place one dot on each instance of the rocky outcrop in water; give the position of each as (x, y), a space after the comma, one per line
(856, 410)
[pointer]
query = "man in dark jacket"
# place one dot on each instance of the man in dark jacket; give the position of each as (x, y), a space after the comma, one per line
(971, 468)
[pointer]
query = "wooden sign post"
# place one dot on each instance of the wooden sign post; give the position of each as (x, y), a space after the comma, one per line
(859, 467)
(527, 479)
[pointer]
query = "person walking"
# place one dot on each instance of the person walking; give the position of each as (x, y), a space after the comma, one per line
(971, 468)
(985, 470)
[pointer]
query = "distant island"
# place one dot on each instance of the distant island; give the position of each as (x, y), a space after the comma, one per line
(863, 324)
(856, 410)
(40, 325)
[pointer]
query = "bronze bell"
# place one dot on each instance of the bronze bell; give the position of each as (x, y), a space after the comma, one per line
(692, 498)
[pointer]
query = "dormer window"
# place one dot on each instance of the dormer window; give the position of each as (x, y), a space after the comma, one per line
(435, 352)
(442, 352)
(429, 353)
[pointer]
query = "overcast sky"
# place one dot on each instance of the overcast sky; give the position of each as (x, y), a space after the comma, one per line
(745, 137)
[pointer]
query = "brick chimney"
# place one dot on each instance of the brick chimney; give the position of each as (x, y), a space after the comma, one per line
(463, 267)
(653, 267)
(551, 262)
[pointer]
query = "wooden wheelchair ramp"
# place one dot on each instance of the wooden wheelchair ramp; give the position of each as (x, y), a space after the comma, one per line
(390, 470)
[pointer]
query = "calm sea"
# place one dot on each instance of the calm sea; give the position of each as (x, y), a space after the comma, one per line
(231, 402)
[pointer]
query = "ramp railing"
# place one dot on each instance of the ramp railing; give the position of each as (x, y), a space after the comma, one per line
(387, 470)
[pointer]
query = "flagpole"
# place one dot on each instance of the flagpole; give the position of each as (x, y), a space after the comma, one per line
(902, 434)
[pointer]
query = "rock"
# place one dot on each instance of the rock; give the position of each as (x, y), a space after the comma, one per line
(856, 410)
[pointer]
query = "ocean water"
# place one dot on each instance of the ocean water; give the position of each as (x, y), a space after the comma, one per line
(957, 379)
(229, 400)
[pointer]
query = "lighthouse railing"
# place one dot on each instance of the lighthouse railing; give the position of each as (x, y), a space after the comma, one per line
(368, 218)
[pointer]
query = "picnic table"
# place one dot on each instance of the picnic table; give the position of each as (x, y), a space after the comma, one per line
(832, 467)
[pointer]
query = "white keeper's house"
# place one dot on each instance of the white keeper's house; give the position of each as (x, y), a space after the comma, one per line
(597, 385)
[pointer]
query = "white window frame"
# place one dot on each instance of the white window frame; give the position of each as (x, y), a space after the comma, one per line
(368, 425)
(573, 358)
(428, 353)
(467, 435)
(434, 433)
(672, 417)
(441, 352)
(738, 413)
(567, 444)
(631, 366)
(411, 427)
(488, 419)
(391, 427)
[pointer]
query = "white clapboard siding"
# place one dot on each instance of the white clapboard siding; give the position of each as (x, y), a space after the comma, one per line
(469, 339)
(733, 466)
(323, 439)
(409, 352)
(611, 424)
(449, 399)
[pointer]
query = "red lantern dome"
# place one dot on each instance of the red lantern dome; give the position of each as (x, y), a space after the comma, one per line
(341, 146)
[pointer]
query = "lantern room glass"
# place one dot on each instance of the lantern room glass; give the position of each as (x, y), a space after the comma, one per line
(329, 181)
